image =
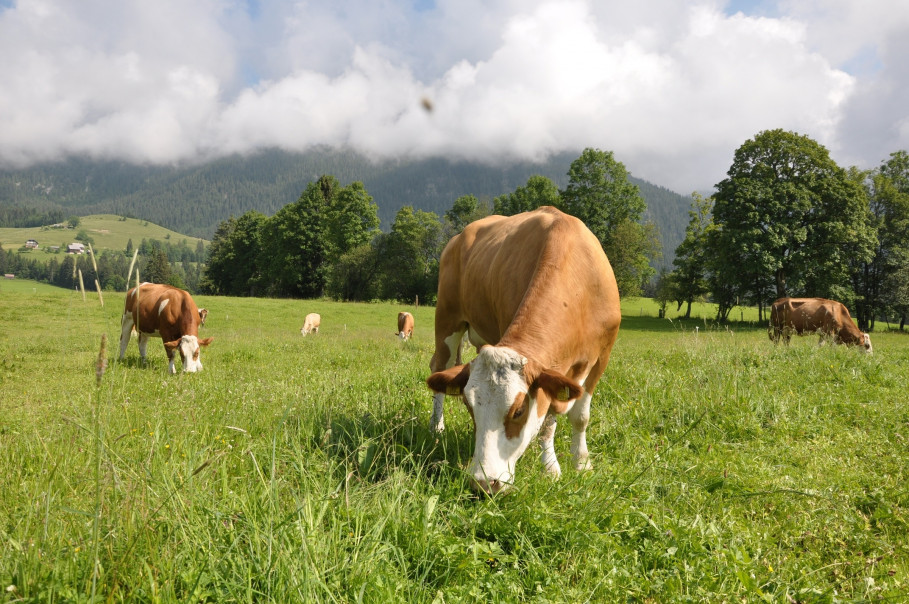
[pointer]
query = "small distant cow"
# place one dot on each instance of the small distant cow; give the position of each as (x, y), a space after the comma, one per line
(165, 312)
(405, 325)
(311, 324)
(804, 316)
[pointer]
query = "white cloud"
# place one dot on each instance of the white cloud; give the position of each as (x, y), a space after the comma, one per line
(672, 88)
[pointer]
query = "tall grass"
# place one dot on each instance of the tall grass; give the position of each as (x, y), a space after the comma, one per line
(302, 469)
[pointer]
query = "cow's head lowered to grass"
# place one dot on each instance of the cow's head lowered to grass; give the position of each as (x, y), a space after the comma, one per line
(189, 348)
(508, 397)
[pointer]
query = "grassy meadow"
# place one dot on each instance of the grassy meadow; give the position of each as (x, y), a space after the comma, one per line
(108, 231)
(301, 469)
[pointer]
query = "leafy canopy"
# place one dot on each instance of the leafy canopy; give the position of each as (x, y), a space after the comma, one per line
(788, 219)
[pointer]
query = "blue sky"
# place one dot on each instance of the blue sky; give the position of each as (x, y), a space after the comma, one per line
(672, 88)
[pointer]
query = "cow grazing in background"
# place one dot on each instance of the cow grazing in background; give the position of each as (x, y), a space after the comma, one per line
(405, 325)
(311, 323)
(203, 313)
(538, 298)
(168, 313)
(827, 318)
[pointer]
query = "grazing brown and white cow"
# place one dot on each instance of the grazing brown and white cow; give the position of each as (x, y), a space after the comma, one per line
(827, 318)
(168, 313)
(405, 325)
(537, 296)
(311, 323)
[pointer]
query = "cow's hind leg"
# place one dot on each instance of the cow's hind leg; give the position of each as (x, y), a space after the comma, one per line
(126, 328)
(448, 353)
(143, 345)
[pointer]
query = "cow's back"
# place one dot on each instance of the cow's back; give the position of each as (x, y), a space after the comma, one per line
(165, 309)
(540, 271)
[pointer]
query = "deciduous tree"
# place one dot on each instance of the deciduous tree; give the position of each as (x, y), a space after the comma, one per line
(788, 220)
(600, 194)
(539, 191)
(410, 254)
(352, 220)
(691, 262)
(881, 282)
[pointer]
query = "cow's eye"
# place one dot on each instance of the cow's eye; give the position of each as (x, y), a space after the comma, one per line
(519, 412)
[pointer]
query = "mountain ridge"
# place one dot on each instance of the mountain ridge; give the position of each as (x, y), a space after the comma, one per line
(194, 199)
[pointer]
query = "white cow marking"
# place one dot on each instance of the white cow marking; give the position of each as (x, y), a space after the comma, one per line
(496, 380)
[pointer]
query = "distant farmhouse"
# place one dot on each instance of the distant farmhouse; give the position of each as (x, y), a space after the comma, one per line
(75, 248)
(31, 244)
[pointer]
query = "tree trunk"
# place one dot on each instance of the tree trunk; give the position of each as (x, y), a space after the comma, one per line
(781, 284)
(688, 310)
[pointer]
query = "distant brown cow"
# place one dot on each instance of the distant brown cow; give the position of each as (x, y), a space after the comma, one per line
(405, 325)
(827, 318)
(311, 323)
(168, 313)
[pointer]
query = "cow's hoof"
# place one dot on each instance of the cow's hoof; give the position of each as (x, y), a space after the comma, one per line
(437, 427)
(553, 471)
(583, 465)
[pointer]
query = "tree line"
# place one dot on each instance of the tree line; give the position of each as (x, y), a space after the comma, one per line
(788, 221)
(328, 242)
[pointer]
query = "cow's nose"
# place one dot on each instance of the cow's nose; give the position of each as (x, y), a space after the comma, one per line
(488, 486)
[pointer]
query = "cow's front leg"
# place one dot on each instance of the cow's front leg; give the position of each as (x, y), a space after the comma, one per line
(170, 360)
(437, 419)
(579, 416)
(547, 449)
(447, 354)
(126, 328)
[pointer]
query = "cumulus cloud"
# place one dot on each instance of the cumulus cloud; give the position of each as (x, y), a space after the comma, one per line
(672, 88)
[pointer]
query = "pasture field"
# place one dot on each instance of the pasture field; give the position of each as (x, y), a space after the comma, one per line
(301, 469)
(107, 230)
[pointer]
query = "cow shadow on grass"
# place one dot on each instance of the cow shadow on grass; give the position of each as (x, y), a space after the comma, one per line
(374, 446)
(136, 362)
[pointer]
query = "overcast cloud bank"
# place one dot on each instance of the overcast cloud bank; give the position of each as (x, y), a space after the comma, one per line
(672, 88)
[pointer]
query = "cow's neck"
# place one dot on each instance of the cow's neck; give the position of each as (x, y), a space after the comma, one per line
(534, 341)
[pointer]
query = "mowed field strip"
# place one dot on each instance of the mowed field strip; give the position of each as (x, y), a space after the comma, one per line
(302, 469)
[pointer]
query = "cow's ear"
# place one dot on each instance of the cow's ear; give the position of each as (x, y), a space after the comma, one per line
(560, 388)
(206, 341)
(450, 381)
(172, 345)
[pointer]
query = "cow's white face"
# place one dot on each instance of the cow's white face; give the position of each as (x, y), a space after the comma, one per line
(505, 416)
(508, 397)
(190, 349)
(866, 342)
(190, 352)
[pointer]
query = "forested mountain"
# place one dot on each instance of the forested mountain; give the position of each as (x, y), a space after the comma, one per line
(194, 199)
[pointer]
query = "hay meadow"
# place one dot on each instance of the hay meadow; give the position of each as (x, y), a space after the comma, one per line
(301, 469)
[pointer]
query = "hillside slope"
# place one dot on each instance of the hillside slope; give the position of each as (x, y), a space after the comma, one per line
(107, 232)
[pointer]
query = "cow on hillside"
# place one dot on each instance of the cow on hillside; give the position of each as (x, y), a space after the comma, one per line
(537, 297)
(827, 318)
(405, 325)
(311, 323)
(168, 313)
